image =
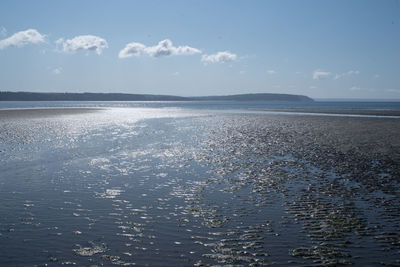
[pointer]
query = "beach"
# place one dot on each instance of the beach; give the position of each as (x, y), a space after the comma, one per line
(170, 187)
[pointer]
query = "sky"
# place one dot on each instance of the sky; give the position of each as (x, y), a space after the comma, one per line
(322, 49)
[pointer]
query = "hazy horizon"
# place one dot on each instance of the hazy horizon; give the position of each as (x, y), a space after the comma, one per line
(329, 50)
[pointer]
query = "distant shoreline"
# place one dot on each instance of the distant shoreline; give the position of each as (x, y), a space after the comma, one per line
(30, 96)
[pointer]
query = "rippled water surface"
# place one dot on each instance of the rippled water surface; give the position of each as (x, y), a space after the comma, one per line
(181, 187)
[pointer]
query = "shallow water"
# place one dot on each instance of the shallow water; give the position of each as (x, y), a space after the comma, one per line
(181, 187)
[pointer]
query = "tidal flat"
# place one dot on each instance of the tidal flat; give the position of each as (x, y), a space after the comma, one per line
(173, 187)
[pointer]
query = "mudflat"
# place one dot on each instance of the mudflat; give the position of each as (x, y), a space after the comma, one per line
(205, 188)
(341, 111)
(368, 136)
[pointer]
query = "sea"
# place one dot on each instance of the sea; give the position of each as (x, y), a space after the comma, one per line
(212, 105)
(193, 184)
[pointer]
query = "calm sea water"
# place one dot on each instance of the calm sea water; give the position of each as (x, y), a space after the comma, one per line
(181, 184)
(214, 105)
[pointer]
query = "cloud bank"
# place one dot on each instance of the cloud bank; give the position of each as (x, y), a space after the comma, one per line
(22, 38)
(83, 42)
(319, 75)
(220, 57)
(163, 48)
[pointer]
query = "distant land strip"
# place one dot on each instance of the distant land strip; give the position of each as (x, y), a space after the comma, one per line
(30, 96)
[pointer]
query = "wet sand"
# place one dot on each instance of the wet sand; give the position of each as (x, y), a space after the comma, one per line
(368, 136)
(338, 177)
(340, 111)
(227, 189)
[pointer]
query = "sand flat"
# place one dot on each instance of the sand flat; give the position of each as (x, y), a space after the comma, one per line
(341, 111)
(289, 188)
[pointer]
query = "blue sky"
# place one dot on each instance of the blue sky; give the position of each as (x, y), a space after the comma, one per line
(323, 49)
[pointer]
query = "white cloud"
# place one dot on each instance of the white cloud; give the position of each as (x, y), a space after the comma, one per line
(163, 48)
(318, 75)
(166, 48)
(176, 73)
(132, 49)
(350, 72)
(57, 71)
(271, 72)
(376, 76)
(19, 39)
(355, 88)
(83, 42)
(220, 57)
